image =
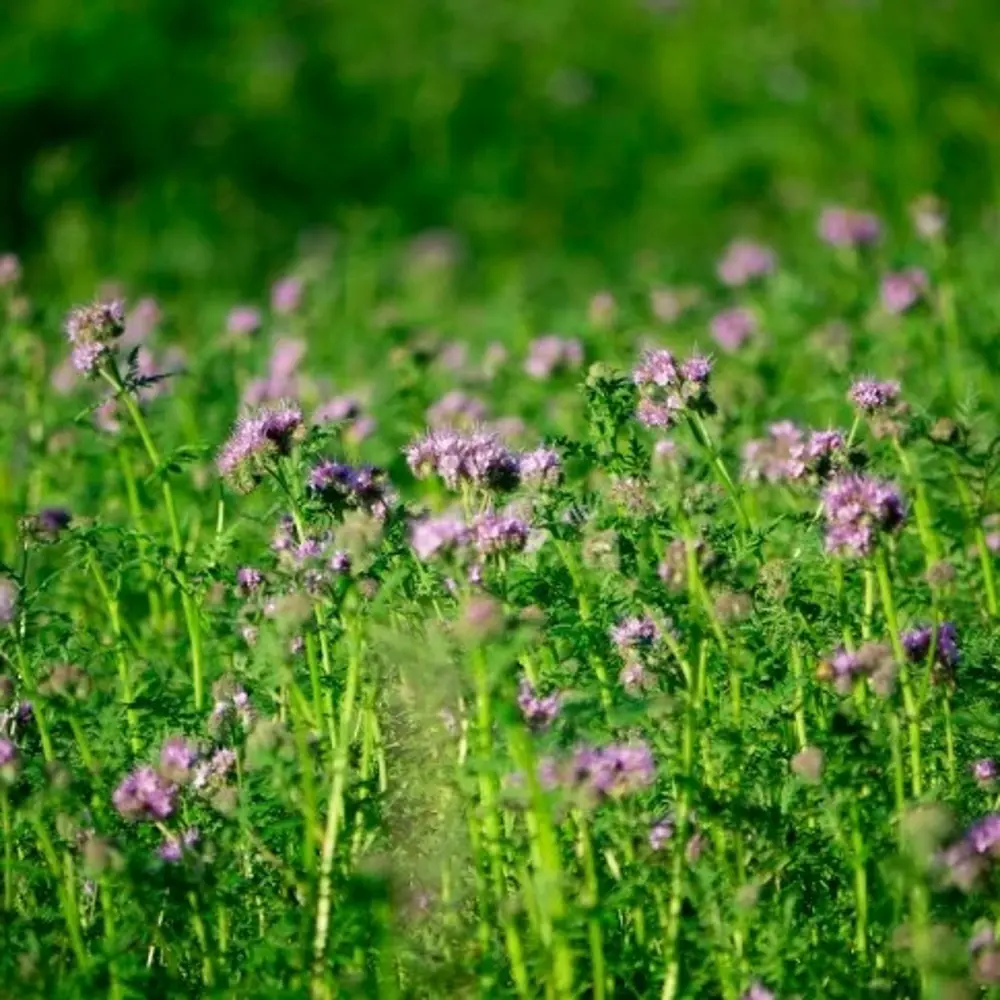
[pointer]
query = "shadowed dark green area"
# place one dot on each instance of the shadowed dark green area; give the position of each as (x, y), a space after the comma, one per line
(177, 141)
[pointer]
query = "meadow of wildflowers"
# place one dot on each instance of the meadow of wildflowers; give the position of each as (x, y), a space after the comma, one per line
(382, 639)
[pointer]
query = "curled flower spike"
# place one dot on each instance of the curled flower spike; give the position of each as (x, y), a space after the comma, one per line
(93, 332)
(541, 467)
(145, 794)
(788, 455)
(257, 439)
(667, 389)
(635, 633)
(344, 486)
(857, 509)
(479, 459)
(537, 711)
(870, 395)
(745, 261)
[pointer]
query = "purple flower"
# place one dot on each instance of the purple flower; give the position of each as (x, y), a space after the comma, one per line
(984, 835)
(745, 261)
(286, 294)
(918, 641)
(93, 331)
(344, 486)
(871, 395)
(549, 354)
(144, 794)
(257, 438)
(174, 847)
(243, 320)
(214, 770)
(985, 770)
(480, 459)
(613, 771)
(498, 533)
(435, 535)
(845, 227)
(541, 467)
(249, 580)
(340, 562)
(8, 753)
(177, 758)
(538, 712)
(232, 703)
(666, 389)
(902, 290)
(634, 677)
(635, 633)
(857, 508)
(757, 991)
(141, 321)
(661, 833)
(731, 328)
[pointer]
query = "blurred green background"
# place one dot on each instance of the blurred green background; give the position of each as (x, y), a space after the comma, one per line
(182, 142)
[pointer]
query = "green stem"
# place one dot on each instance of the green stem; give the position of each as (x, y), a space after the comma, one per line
(704, 439)
(590, 900)
(8, 849)
(191, 617)
(909, 701)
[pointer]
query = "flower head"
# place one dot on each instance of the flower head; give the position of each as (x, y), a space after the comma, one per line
(731, 328)
(745, 261)
(243, 320)
(144, 794)
(635, 633)
(846, 227)
(346, 486)
(537, 711)
(478, 459)
(667, 389)
(985, 770)
(902, 290)
(256, 439)
(497, 533)
(857, 508)
(433, 536)
(613, 771)
(92, 332)
(177, 758)
(541, 467)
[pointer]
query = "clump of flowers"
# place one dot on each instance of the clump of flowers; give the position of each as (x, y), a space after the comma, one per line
(732, 328)
(870, 395)
(787, 454)
(902, 290)
(177, 760)
(635, 634)
(282, 380)
(541, 467)
(745, 261)
(668, 389)
(145, 795)
(232, 705)
(873, 662)
(967, 860)
(550, 354)
(434, 536)
(858, 509)
(93, 332)
(257, 439)
(847, 227)
(919, 642)
(498, 533)
(346, 486)
(613, 771)
(538, 711)
(478, 459)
